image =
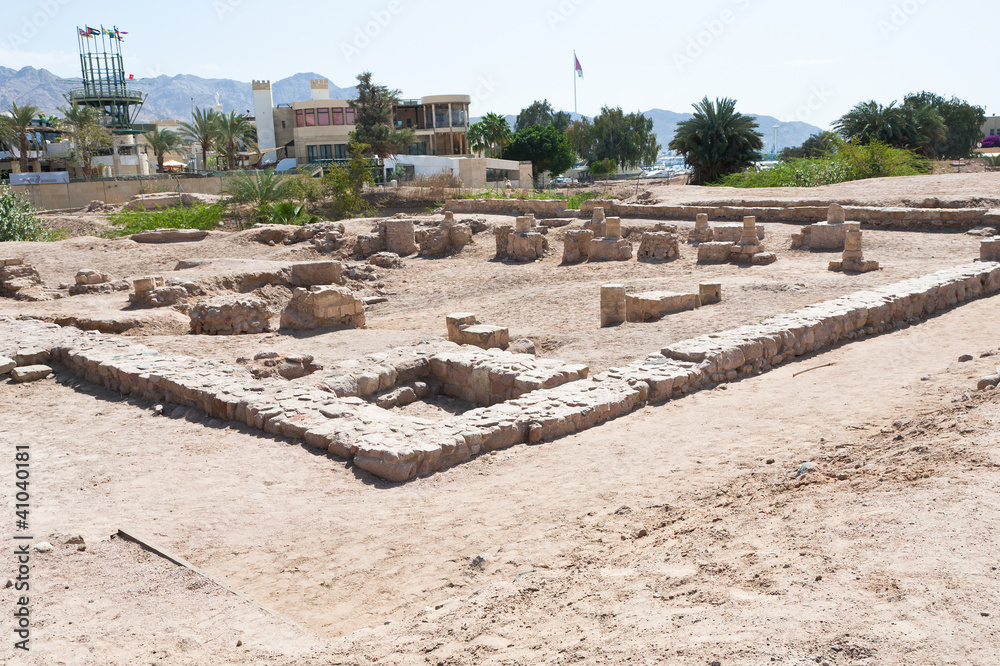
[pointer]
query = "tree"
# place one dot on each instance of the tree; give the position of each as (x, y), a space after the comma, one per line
(89, 136)
(490, 135)
(963, 120)
(817, 145)
(163, 142)
(346, 184)
(717, 140)
(232, 133)
(258, 189)
(202, 130)
(542, 113)
(546, 148)
(627, 141)
(20, 122)
(374, 111)
(915, 125)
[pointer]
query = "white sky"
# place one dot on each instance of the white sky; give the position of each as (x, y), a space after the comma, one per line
(793, 59)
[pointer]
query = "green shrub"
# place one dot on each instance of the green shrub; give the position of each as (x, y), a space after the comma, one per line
(849, 162)
(573, 201)
(131, 222)
(17, 219)
(287, 212)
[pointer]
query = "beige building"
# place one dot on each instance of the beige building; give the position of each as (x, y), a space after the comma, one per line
(318, 129)
(991, 126)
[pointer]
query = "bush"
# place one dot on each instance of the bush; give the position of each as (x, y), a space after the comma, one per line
(131, 222)
(17, 219)
(850, 162)
(287, 212)
(992, 141)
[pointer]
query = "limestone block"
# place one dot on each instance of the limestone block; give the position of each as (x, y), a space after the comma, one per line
(459, 235)
(456, 322)
(143, 284)
(598, 223)
(702, 230)
(836, 214)
(322, 306)
(368, 244)
(230, 315)
(11, 262)
(32, 356)
(710, 293)
(576, 245)
(484, 336)
(658, 246)
(385, 260)
(399, 236)
(714, 252)
(16, 276)
(313, 273)
(522, 225)
(30, 373)
(610, 249)
(652, 305)
(613, 227)
(169, 236)
(825, 236)
(732, 233)
(989, 249)
(613, 309)
(91, 276)
(6, 365)
(598, 214)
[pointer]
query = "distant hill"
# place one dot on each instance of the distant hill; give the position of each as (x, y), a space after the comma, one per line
(169, 97)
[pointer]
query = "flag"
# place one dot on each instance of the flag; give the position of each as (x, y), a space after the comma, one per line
(131, 77)
(84, 33)
(579, 67)
(92, 31)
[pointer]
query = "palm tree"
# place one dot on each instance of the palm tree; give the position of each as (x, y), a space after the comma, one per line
(870, 121)
(259, 189)
(232, 132)
(717, 140)
(20, 121)
(498, 132)
(163, 142)
(203, 129)
(477, 138)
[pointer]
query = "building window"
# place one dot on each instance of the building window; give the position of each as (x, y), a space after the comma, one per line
(338, 116)
(325, 152)
(340, 151)
(299, 122)
(282, 124)
(311, 151)
(310, 117)
(323, 117)
(350, 115)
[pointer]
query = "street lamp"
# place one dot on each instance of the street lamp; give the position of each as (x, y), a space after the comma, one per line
(774, 146)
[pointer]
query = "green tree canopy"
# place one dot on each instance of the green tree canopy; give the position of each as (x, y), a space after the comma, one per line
(627, 140)
(490, 135)
(20, 123)
(163, 142)
(546, 147)
(203, 129)
(964, 122)
(89, 136)
(374, 113)
(541, 113)
(815, 146)
(232, 133)
(717, 140)
(916, 125)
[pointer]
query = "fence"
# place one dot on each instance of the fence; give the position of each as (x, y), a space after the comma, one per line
(59, 196)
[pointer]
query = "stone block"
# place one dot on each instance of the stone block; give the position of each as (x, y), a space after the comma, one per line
(33, 356)
(230, 315)
(714, 252)
(317, 273)
(989, 249)
(732, 233)
(652, 305)
(6, 365)
(825, 236)
(613, 308)
(576, 245)
(710, 293)
(484, 336)
(613, 227)
(399, 236)
(456, 322)
(658, 246)
(30, 373)
(91, 276)
(322, 306)
(609, 249)
(836, 214)
(169, 236)
(385, 260)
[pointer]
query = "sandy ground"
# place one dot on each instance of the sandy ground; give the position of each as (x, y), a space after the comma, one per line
(679, 534)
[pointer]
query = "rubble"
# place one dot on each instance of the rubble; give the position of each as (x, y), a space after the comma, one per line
(323, 306)
(230, 315)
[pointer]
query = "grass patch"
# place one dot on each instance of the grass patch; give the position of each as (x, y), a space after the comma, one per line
(206, 218)
(573, 201)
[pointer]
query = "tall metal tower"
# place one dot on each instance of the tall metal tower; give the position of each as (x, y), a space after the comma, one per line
(105, 86)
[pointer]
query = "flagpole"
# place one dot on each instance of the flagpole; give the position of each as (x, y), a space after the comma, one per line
(574, 81)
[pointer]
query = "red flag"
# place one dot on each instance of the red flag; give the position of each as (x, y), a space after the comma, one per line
(579, 67)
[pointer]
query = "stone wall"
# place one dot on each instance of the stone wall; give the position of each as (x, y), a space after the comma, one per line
(397, 448)
(230, 315)
(515, 207)
(323, 306)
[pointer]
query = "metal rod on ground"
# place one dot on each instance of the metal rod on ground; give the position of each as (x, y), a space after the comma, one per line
(811, 369)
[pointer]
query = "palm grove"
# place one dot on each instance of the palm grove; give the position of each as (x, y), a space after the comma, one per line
(722, 145)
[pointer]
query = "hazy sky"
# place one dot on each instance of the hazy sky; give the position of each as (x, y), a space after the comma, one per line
(793, 59)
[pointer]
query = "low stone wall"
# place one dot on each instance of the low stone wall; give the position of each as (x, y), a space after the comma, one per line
(516, 207)
(398, 448)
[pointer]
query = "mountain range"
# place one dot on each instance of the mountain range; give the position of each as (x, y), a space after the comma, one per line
(172, 97)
